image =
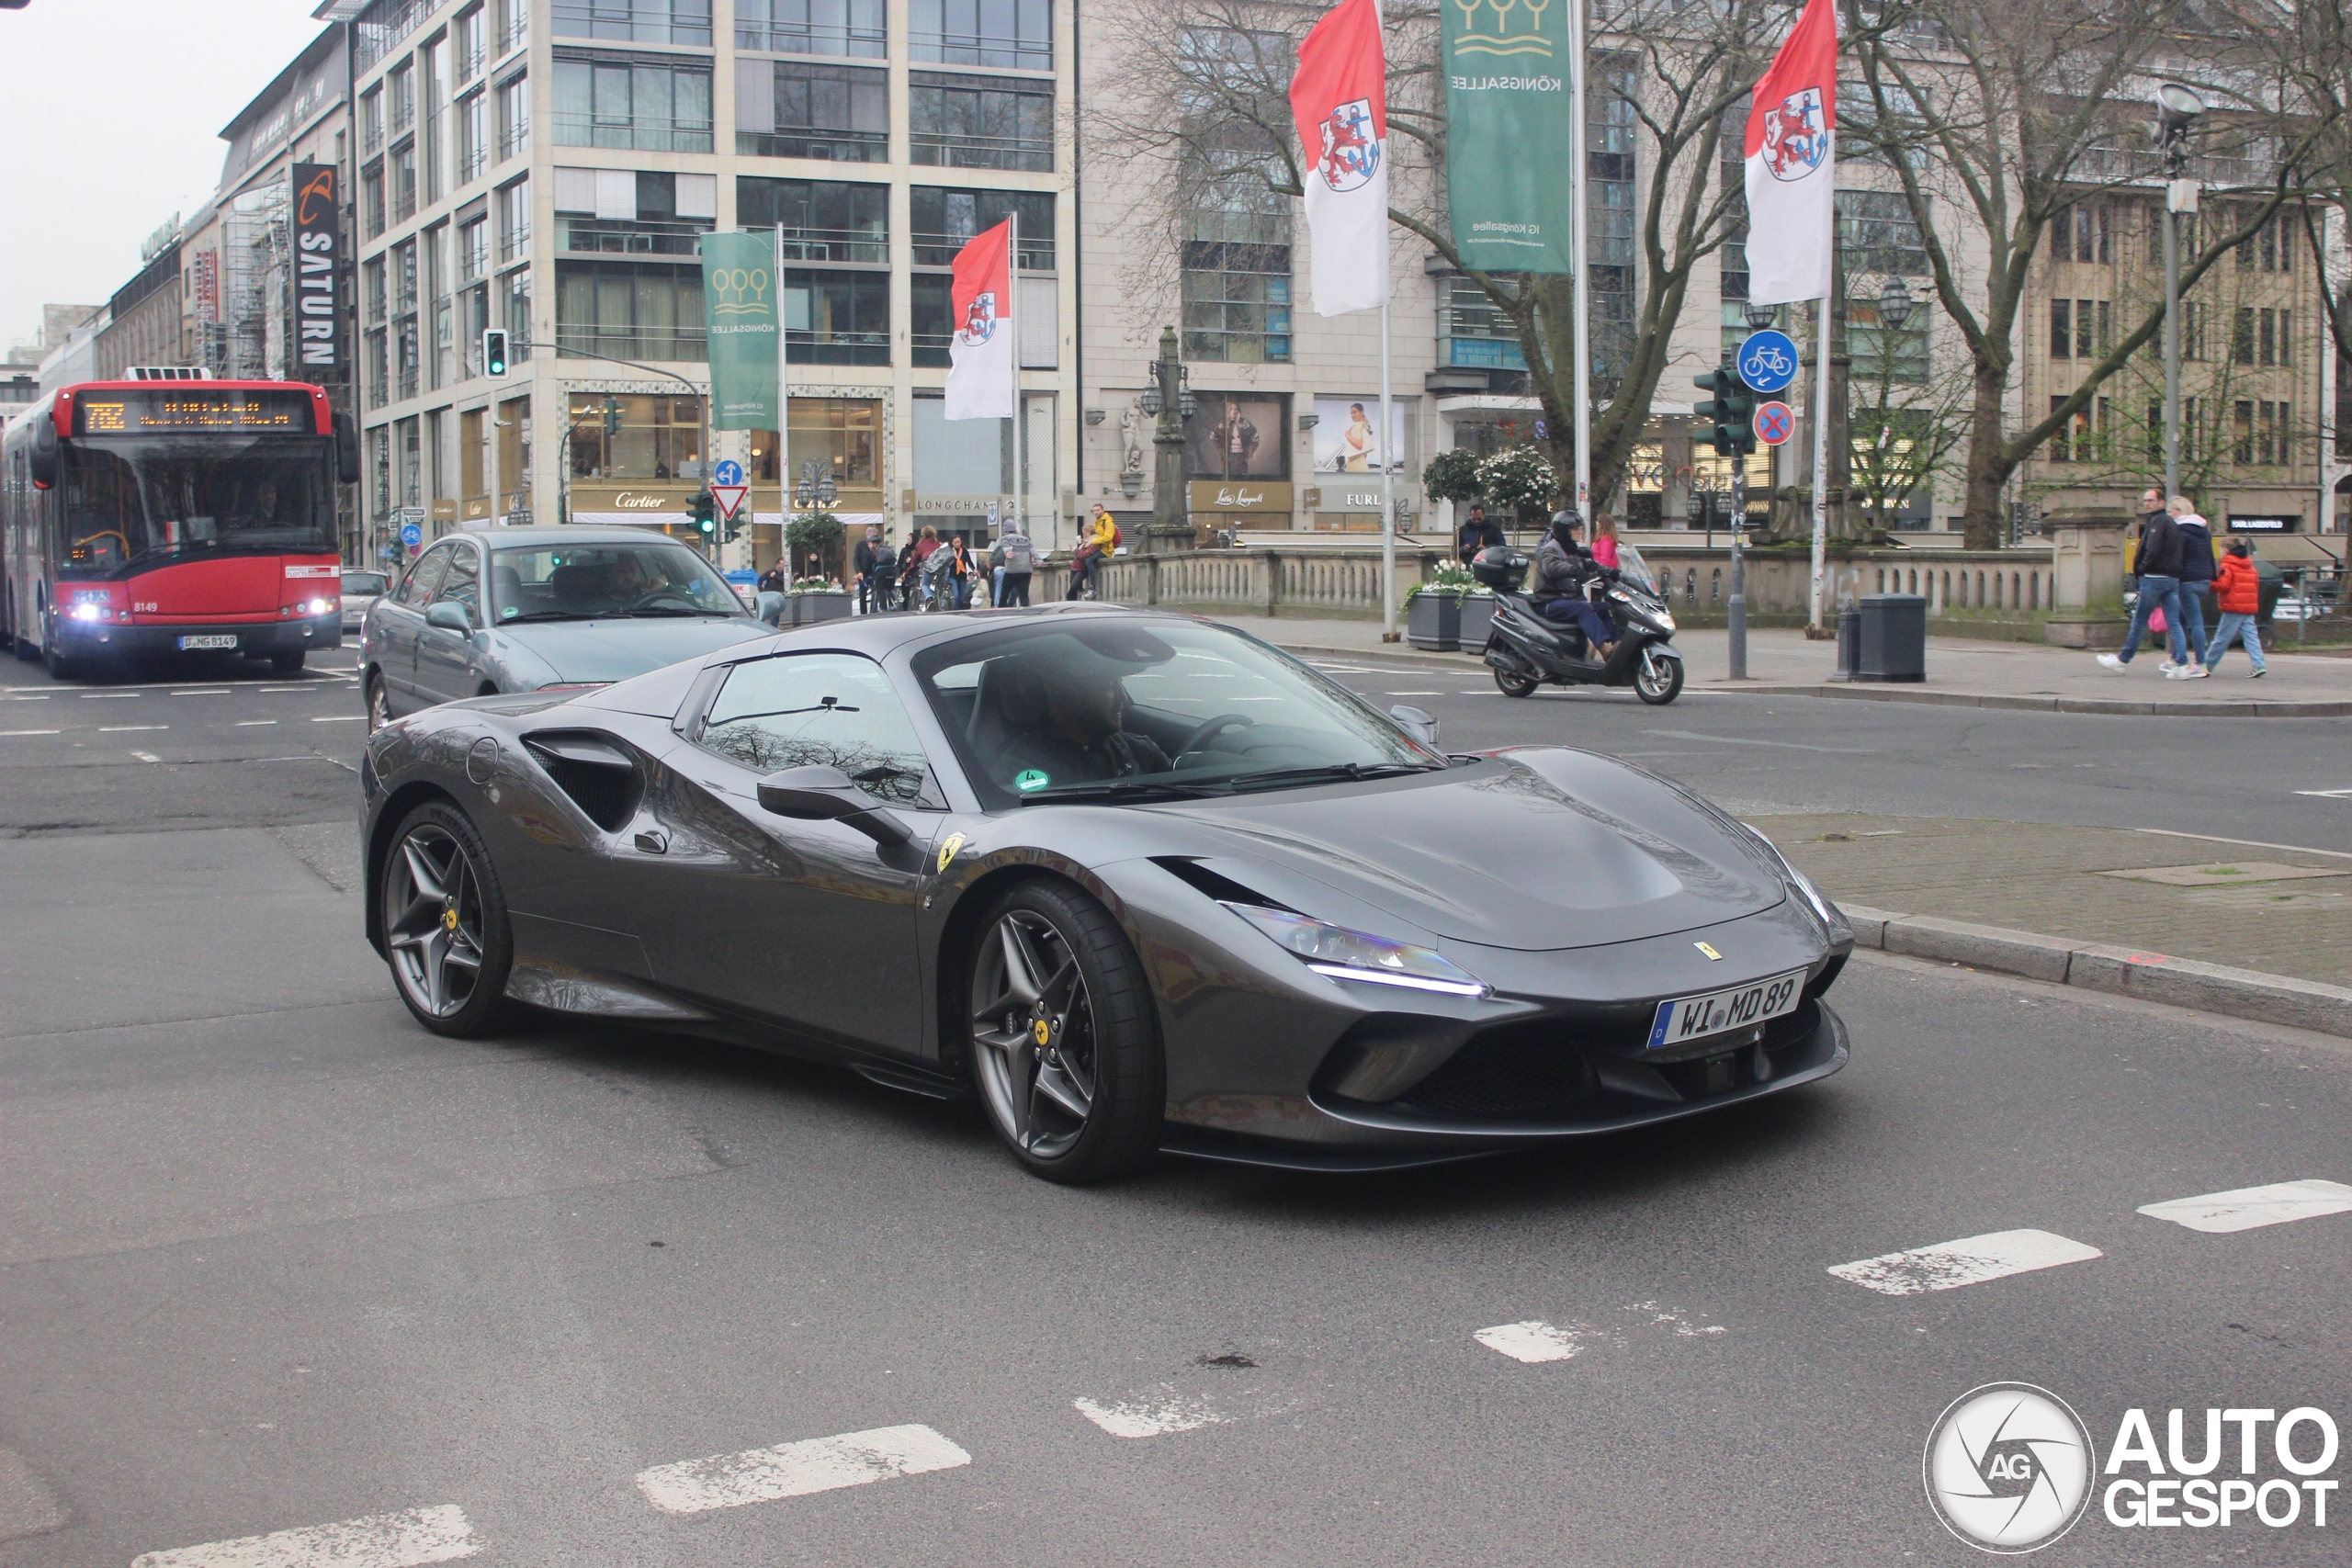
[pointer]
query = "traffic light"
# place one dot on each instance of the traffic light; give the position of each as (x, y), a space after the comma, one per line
(1731, 413)
(494, 351)
(734, 526)
(704, 510)
(612, 416)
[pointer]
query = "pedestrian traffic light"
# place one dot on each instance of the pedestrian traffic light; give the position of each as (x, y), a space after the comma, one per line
(704, 510)
(494, 351)
(1726, 422)
(612, 416)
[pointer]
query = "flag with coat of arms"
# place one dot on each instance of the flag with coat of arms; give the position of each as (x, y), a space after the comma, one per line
(1791, 164)
(980, 357)
(1339, 98)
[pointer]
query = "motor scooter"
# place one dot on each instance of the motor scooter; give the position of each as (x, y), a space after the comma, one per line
(1527, 648)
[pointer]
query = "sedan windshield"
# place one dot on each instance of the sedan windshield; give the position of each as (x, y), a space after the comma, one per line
(587, 581)
(1111, 709)
(144, 499)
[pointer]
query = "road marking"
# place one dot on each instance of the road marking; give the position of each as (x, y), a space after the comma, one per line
(1154, 1413)
(147, 756)
(2328, 794)
(794, 1470)
(28, 732)
(1536, 1340)
(128, 728)
(379, 1540)
(109, 697)
(249, 723)
(45, 697)
(1412, 694)
(2245, 844)
(339, 718)
(1782, 745)
(206, 692)
(1669, 1320)
(1968, 1261)
(2249, 1208)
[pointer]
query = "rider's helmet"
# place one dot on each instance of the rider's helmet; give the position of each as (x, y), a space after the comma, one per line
(1500, 567)
(1564, 525)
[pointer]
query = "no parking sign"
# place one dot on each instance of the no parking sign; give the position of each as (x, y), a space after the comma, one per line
(1775, 423)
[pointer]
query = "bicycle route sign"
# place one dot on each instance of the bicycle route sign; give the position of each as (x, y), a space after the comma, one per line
(1775, 423)
(1768, 360)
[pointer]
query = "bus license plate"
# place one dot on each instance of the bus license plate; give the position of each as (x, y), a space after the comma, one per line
(1719, 1012)
(216, 640)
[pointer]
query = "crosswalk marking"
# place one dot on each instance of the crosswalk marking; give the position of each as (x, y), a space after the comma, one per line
(1153, 1413)
(379, 1540)
(1968, 1261)
(794, 1470)
(2248, 1208)
(1536, 1340)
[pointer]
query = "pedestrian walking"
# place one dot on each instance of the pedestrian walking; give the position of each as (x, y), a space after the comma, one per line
(919, 550)
(1013, 559)
(960, 571)
(1475, 534)
(2157, 563)
(2237, 594)
(873, 564)
(2197, 570)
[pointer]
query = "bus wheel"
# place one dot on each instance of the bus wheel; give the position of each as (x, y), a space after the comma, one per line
(287, 663)
(58, 666)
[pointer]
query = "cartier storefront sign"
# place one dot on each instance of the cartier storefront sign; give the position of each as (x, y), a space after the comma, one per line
(650, 501)
(1237, 495)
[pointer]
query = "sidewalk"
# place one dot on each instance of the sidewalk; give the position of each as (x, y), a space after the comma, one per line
(1960, 671)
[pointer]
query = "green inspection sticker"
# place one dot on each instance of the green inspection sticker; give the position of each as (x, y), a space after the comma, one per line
(1029, 779)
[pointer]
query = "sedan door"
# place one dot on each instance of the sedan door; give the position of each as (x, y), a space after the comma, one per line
(448, 664)
(808, 923)
(397, 618)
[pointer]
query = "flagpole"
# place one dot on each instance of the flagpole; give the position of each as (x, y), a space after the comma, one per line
(783, 431)
(1821, 380)
(1013, 315)
(1387, 488)
(1579, 241)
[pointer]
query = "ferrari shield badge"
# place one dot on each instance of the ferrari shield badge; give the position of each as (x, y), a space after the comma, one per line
(948, 851)
(1712, 957)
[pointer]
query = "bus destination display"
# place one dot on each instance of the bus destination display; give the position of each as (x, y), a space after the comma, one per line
(183, 407)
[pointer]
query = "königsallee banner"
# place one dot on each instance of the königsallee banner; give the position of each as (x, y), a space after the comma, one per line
(739, 293)
(1507, 104)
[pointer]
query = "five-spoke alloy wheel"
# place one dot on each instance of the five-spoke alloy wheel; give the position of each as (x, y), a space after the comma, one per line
(445, 933)
(1064, 1051)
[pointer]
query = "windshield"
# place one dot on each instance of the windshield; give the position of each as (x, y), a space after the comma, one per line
(1110, 708)
(1634, 568)
(357, 583)
(137, 502)
(578, 583)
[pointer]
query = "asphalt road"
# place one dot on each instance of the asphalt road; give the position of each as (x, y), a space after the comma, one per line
(272, 1258)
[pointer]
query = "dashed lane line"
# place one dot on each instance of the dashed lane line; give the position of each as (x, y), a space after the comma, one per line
(29, 732)
(794, 1470)
(128, 728)
(338, 718)
(1154, 1412)
(109, 697)
(379, 1540)
(250, 723)
(1968, 1261)
(2250, 1207)
(206, 692)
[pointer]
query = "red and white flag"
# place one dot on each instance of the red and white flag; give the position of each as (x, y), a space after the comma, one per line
(980, 357)
(1791, 164)
(1340, 97)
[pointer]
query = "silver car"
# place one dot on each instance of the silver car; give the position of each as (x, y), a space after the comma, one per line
(360, 590)
(535, 609)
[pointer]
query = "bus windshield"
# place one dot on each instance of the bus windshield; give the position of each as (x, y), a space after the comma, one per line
(143, 501)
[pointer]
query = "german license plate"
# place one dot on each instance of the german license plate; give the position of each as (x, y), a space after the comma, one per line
(1719, 1012)
(191, 644)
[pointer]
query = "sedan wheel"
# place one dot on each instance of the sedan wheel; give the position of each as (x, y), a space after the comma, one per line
(444, 923)
(379, 704)
(1063, 1047)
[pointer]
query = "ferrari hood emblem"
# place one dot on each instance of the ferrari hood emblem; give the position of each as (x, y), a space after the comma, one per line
(948, 851)
(1712, 957)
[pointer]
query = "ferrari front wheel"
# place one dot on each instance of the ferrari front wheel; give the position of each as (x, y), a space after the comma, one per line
(446, 932)
(1065, 1051)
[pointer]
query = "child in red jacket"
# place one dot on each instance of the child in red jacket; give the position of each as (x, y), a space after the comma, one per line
(2238, 594)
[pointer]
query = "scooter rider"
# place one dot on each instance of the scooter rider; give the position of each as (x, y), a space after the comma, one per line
(1562, 569)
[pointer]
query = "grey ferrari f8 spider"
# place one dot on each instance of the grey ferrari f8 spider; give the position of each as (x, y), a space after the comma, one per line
(1133, 881)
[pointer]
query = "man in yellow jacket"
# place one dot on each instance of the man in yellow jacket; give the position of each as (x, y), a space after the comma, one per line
(1086, 567)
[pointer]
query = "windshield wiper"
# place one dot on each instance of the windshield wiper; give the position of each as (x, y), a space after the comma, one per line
(1273, 778)
(674, 610)
(547, 615)
(1121, 789)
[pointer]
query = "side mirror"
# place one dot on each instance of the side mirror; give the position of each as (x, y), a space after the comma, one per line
(448, 615)
(346, 449)
(1416, 723)
(46, 465)
(820, 794)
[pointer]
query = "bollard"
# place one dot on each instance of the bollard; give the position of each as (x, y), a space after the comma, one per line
(1850, 640)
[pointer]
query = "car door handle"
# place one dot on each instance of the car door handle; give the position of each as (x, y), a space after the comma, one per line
(652, 842)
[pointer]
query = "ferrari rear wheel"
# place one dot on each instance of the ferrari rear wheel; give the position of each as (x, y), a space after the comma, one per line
(445, 933)
(1064, 1053)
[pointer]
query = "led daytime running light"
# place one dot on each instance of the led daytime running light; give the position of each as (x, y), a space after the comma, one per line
(1339, 954)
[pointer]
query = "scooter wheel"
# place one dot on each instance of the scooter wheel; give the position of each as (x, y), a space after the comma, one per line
(1659, 679)
(1514, 685)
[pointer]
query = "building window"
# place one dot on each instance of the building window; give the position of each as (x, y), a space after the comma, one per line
(931, 302)
(469, 44)
(372, 201)
(411, 462)
(371, 291)
(633, 21)
(518, 314)
(2061, 448)
(2242, 337)
(629, 311)
(1876, 234)
(514, 221)
(1609, 152)
(380, 445)
(400, 88)
(513, 117)
(371, 121)
(1237, 435)
(657, 438)
(514, 24)
(2192, 329)
(1473, 333)
(473, 250)
(852, 27)
(1236, 283)
(473, 136)
(1017, 34)
(639, 213)
(2077, 233)
(2062, 329)
(946, 217)
(379, 388)
(836, 318)
(2244, 421)
(980, 122)
(403, 182)
(2271, 247)
(784, 109)
(649, 106)
(1882, 354)
(823, 221)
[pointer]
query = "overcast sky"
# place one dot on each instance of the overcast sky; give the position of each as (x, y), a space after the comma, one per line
(110, 113)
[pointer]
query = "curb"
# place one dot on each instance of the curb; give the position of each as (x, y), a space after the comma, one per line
(2119, 971)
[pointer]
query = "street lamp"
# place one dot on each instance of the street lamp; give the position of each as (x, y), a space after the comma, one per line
(1894, 304)
(1760, 316)
(2178, 109)
(816, 486)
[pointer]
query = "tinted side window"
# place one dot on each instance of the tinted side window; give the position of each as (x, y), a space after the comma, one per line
(425, 576)
(834, 709)
(463, 583)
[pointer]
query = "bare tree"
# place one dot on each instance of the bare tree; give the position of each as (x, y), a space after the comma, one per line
(2010, 111)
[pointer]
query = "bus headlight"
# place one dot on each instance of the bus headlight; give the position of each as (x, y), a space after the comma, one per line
(320, 606)
(86, 611)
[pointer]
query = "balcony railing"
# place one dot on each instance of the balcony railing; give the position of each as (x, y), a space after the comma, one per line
(928, 351)
(939, 250)
(403, 119)
(962, 152)
(835, 245)
(408, 381)
(835, 146)
(983, 48)
(836, 348)
(642, 134)
(660, 345)
(404, 203)
(607, 236)
(472, 161)
(517, 30)
(586, 18)
(515, 140)
(516, 244)
(817, 38)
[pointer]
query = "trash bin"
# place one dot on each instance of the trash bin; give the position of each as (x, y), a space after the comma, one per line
(1895, 637)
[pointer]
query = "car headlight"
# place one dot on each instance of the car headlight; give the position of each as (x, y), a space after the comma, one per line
(1803, 883)
(1343, 955)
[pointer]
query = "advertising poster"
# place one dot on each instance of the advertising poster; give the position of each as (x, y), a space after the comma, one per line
(1506, 64)
(1235, 436)
(318, 236)
(738, 290)
(1348, 438)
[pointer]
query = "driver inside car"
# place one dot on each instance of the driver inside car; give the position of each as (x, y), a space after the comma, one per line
(1083, 737)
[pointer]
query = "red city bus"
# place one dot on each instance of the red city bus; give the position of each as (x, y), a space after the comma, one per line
(173, 517)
